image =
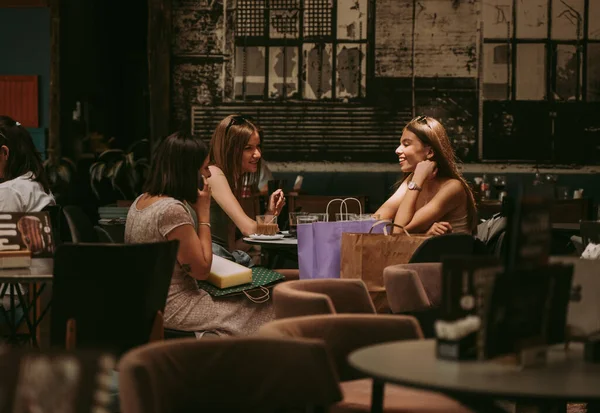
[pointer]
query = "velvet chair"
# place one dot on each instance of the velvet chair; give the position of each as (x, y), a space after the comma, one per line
(345, 333)
(323, 296)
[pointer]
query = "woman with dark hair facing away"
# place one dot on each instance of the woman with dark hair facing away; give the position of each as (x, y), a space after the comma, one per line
(178, 174)
(23, 183)
(433, 197)
(235, 156)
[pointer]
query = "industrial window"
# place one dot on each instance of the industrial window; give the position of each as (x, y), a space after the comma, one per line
(300, 49)
(523, 38)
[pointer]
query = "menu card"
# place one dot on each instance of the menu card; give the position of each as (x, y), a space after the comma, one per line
(27, 231)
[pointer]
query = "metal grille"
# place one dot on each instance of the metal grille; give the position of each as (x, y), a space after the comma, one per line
(284, 18)
(317, 18)
(250, 18)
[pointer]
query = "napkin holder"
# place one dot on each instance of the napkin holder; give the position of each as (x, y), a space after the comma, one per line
(15, 259)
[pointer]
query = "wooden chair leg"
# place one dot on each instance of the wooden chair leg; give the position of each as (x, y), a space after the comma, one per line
(158, 330)
(71, 336)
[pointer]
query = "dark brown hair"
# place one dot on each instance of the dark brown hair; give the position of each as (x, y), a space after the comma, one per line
(431, 133)
(23, 157)
(227, 147)
(175, 167)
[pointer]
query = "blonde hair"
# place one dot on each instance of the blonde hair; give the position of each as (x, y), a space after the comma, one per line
(227, 147)
(431, 133)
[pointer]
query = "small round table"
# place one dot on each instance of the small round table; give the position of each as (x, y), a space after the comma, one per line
(277, 250)
(565, 378)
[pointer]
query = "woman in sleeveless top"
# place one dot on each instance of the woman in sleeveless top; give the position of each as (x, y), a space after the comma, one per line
(178, 174)
(433, 197)
(235, 157)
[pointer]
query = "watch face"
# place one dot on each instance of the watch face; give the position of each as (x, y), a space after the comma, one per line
(411, 185)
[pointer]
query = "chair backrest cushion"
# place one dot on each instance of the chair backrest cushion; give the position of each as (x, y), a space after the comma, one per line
(344, 333)
(80, 226)
(250, 374)
(435, 248)
(413, 287)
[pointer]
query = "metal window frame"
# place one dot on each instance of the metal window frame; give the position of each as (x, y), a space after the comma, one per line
(267, 42)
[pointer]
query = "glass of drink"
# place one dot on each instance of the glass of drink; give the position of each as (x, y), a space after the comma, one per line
(500, 186)
(266, 225)
(306, 219)
(294, 221)
(346, 216)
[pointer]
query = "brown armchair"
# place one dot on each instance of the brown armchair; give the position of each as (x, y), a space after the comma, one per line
(326, 296)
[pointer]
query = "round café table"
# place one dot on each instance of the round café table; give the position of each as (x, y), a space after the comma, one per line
(277, 250)
(565, 378)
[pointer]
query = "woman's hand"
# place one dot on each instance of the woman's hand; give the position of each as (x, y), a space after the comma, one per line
(439, 228)
(424, 171)
(276, 202)
(202, 204)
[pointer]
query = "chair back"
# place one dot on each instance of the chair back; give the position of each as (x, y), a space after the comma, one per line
(344, 333)
(80, 226)
(110, 292)
(241, 374)
(323, 296)
(103, 235)
(590, 232)
(55, 212)
(434, 248)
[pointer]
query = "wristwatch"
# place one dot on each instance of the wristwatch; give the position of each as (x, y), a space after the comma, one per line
(412, 185)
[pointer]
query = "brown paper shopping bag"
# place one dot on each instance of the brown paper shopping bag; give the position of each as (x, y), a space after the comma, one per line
(364, 256)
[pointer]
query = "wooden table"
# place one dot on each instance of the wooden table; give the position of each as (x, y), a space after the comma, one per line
(566, 377)
(277, 250)
(40, 272)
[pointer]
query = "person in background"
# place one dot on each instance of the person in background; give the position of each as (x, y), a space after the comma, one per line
(235, 156)
(179, 172)
(433, 197)
(24, 186)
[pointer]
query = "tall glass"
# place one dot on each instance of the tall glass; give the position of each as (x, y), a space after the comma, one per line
(294, 221)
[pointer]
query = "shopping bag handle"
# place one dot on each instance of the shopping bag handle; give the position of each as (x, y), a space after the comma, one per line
(388, 223)
(261, 298)
(343, 205)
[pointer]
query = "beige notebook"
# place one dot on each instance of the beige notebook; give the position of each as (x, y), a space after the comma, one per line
(225, 273)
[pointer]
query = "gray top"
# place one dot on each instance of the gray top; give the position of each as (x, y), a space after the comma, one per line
(414, 363)
(41, 270)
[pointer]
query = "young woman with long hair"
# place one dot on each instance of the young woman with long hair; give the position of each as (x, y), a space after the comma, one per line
(433, 197)
(178, 174)
(235, 156)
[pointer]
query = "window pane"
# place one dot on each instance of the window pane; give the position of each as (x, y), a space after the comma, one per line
(567, 71)
(317, 18)
(497, 68)
(250, 18)
(567, 19)
(532, 18)
(317, 70)
(594, 22)
(593, 72)
(352, 19)
(351, 70)
(531, 72)
(283, 73)
(249, 71)
(497, 19)
(284, 19)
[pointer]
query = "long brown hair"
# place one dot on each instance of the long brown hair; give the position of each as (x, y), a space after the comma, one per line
(431, 133)
(227, 147)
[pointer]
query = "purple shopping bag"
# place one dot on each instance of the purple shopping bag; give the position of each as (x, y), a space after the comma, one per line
(319, 246)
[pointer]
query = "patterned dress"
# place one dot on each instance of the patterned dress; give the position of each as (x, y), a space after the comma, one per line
(189, 308)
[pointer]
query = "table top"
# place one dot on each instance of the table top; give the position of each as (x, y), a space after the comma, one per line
(565, 226)
(566, 377)
(41, 269)
(284, 242)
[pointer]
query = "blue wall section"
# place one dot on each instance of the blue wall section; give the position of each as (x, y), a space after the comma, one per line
(25, 49)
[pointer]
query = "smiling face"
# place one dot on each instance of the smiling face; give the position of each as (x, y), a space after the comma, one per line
(411, 151)
(251, 154)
